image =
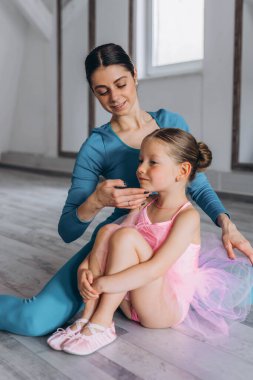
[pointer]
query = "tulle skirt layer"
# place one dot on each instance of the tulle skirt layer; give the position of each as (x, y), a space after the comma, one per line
(216, 294)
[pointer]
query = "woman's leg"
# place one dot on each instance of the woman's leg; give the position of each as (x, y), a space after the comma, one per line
(58, 301)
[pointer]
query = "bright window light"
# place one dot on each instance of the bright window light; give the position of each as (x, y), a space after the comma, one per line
(178, 31)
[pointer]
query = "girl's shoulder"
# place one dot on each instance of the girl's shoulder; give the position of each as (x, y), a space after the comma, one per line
(188, 214)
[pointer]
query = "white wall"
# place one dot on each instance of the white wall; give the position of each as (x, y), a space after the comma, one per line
(28, 73)
(218, 81)
(74, 86)
(13, 31)
(30, 118)
(205, 100)
(246, 116)
(111, 26)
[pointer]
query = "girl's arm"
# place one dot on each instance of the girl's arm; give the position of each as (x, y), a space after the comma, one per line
(184, 228)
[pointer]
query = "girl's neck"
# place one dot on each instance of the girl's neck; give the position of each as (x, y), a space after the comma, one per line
(170, 201)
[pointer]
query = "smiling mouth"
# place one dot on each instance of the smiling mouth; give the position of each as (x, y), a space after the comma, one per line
(119, 106)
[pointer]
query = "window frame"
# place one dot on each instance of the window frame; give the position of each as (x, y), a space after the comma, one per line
(192, 67)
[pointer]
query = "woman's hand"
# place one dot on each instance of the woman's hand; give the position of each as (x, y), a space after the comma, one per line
(85, 279)
(114, 193)
(232, 238)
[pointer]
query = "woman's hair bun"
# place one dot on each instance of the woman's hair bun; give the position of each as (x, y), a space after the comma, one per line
(205, 156)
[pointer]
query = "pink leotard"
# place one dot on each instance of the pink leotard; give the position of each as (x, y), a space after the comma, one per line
(155, 234)
(211, 291)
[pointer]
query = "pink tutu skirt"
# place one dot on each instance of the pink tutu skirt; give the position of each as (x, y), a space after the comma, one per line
(211, 290)
(215, 295)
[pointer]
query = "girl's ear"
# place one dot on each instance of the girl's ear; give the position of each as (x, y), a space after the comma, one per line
(184, 170)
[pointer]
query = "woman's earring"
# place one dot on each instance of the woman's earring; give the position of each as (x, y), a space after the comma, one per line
(136, 83)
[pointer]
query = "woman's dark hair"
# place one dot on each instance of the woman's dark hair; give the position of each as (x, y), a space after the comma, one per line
(184, 148)
(106, 55)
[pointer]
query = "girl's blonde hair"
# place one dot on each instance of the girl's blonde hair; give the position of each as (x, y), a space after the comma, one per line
(184, 148)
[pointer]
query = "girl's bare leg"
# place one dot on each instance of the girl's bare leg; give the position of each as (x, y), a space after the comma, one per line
(99, 250)
(126, 248)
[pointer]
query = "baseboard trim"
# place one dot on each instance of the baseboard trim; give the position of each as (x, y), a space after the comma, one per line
(230, 185)
(54, 173)
(235, 197)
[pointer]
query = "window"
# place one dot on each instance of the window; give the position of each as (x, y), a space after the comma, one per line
(175, 36)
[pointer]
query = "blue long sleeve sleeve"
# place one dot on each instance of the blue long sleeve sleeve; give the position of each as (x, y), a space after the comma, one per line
(89, 166)
(205, 197)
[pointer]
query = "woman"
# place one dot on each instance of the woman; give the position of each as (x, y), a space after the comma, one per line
(112, 152)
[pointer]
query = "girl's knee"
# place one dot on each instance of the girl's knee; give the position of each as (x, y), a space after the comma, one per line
(107, 228)
(124, 233)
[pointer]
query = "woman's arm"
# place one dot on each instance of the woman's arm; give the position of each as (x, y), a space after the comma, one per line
(85, 177)
(205, 197)
(181, 234)
(87, 196)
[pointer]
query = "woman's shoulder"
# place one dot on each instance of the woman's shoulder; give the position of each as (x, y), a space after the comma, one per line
(168, 119)
(96, 136)
(94, 143)
(102, 129)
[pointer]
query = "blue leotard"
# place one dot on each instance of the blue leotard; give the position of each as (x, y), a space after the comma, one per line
(102, 154)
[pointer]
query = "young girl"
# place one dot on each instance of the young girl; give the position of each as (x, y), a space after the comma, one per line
(149, 264)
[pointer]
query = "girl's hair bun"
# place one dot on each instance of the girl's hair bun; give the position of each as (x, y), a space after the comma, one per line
(204, 158)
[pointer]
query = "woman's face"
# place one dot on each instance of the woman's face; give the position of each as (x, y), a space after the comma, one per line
(115, 88)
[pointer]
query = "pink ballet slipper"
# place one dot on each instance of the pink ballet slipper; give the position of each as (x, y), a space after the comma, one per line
(87, 344)
(61, 336)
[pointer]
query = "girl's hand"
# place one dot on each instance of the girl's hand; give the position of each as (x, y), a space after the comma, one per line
(114, 193)
(232, 238)
(98, 284)
(85, 279)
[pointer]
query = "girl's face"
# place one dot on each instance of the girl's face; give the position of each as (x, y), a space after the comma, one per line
(157, 171)
(115, 88)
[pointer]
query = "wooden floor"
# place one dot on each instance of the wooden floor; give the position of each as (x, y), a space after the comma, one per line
(30, 253)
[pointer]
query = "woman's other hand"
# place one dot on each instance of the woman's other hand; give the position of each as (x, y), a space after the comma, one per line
(232, 238)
